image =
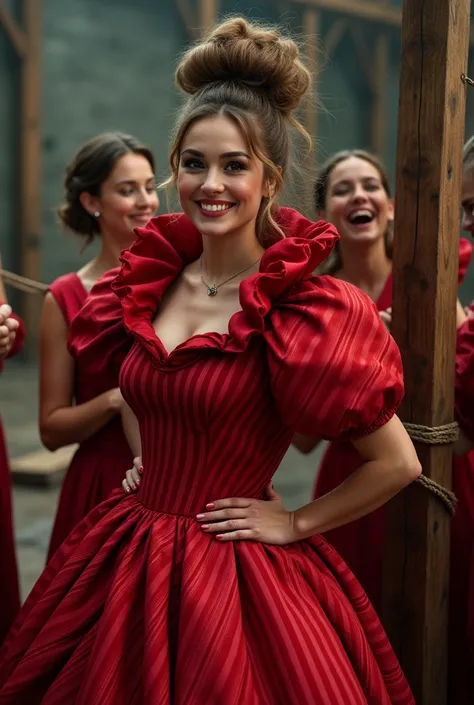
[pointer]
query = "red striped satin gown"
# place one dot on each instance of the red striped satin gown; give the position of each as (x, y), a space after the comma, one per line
(139, 606)
(9, 588)
(99, 464)
(362, 543)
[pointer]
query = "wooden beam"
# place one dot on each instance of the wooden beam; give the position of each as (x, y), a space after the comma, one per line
(311, 30)
(435, 38)
(379, 82)
(188, 18)
(363, 9)
(364, 53)
(334, 35)
(208, 10)
(30, 161)
(13, 31)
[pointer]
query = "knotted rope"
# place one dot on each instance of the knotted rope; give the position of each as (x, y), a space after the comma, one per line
(435, 435)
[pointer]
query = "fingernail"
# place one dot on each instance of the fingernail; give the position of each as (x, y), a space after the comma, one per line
(219, 537)
(137, 481)
(140, 469)
(200, 516)
(210, 505)
(127, 490)
(204, 526)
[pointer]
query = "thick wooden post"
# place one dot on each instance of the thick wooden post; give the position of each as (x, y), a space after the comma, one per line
(30, 161)
(430, 135)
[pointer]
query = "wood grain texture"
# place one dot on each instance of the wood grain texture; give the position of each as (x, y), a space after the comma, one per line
(30, 161)
(435, 38)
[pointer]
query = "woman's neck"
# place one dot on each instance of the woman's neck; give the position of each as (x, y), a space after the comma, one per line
(225, 256)
(107, 259)
(367, 268)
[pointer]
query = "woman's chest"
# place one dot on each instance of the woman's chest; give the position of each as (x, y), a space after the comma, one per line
(207, 385)
(188, 311)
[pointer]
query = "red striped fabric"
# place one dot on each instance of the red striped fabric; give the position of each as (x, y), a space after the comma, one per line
(139, 606)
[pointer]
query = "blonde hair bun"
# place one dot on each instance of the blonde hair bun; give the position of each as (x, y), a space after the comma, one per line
(238, 51)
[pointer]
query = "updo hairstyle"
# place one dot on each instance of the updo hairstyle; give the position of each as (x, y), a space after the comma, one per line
(87, 172)
(254, 76)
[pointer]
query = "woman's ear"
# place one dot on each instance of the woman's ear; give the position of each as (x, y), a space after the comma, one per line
(89, 203)
(391, 209)
(270, 185)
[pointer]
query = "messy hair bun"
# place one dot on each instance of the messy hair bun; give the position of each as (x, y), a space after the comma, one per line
(243, 52)
(253, 75)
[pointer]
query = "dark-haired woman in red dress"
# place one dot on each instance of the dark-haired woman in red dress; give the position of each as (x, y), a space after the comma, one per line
(12, 336)
(352, 191)
(195, 589)
(109, 191)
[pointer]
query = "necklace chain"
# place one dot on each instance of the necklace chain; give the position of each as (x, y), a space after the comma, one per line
(213, 288)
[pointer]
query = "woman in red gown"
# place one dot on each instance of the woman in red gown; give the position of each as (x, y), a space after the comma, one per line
(462, 544)
(109, 191)
(11, 344)
(195, 589)
(352, 191)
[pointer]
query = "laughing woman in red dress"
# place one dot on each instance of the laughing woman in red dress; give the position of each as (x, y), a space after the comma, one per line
(109, 191)
(12, 335)
(196, 589)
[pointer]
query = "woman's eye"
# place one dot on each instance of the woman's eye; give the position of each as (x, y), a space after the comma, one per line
(150, 189)
(235, 166)
(193, 164)
(126, 192)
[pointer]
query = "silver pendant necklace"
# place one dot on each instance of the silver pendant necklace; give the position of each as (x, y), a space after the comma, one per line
(212, 288)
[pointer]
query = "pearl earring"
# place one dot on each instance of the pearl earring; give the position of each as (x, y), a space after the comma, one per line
(96, 214)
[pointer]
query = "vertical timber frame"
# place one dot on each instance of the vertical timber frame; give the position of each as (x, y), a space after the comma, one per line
(435, 38)
(208, 10)
(311, 30)
(200, 19)
(26, 41)
(379, 116)
(374, 60)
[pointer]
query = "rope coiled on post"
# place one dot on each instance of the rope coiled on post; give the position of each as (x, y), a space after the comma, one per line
(435, 435)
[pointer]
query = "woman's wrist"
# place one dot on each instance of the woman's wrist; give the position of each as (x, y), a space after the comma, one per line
(115, 399)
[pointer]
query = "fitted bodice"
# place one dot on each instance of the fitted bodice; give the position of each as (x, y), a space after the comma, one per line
(209, 429)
